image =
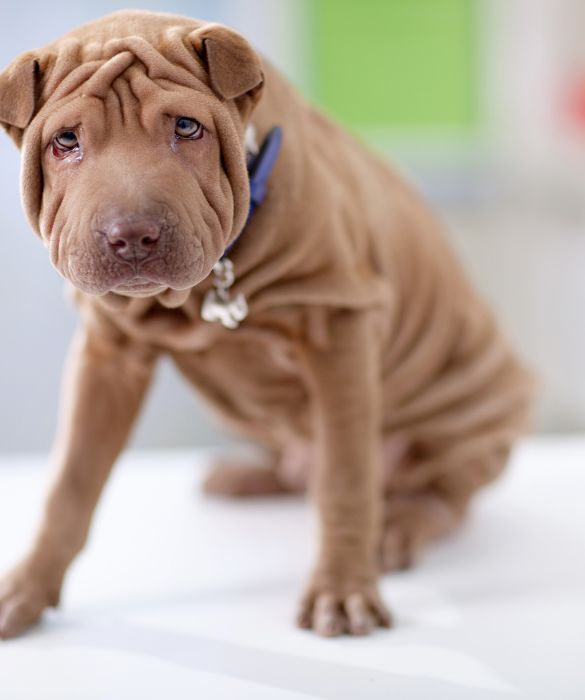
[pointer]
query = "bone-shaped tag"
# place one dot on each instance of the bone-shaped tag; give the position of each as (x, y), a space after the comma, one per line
(219, 306)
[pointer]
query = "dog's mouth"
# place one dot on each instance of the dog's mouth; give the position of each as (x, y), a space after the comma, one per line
(154, 276)
(137, 280)
(139, 286)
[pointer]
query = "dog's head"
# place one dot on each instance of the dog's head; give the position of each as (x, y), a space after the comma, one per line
(132, 137)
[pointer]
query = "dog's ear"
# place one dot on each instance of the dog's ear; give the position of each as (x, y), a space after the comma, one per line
(235, 69)
(18, 95)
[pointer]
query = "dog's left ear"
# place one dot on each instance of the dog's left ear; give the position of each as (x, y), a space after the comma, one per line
(234, 67)
(18, 94)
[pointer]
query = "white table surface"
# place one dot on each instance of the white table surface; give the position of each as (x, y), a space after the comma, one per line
(181, 596)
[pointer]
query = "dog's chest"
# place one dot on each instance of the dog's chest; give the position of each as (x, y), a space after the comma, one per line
(253, 379)
(251, 374)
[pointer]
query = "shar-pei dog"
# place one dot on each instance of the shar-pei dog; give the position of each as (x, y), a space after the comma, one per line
(201, 209)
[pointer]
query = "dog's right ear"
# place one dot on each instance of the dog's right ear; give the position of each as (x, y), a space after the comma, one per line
(18, 95)
(234, 67)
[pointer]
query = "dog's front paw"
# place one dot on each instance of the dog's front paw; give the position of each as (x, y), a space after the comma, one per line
(24, 595)
(333, 607)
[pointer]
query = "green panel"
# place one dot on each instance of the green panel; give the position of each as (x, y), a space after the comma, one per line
(395, 63)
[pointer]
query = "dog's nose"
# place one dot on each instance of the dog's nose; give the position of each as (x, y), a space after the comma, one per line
(133, 241)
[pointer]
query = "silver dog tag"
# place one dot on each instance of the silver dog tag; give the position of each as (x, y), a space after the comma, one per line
(218, 304)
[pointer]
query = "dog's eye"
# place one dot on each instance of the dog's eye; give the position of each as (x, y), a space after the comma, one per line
(187, 128)
(66, 140)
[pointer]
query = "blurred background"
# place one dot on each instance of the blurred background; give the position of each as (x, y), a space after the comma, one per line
(481, 103)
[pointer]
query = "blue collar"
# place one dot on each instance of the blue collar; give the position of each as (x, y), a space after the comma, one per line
(259, 170)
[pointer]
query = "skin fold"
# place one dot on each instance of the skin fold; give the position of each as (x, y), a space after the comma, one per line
(367, 368)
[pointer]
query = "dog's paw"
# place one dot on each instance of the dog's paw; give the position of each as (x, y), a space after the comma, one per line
(334, 609)
(244, 480)
(23, 598)
(412, 522)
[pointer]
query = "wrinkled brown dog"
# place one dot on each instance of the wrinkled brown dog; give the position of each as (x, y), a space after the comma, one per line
(366, 366)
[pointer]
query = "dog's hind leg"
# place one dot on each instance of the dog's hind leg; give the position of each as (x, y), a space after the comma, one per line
(416, 517)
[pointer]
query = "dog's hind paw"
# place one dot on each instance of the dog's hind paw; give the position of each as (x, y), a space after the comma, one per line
(239, 481)
(412, 522)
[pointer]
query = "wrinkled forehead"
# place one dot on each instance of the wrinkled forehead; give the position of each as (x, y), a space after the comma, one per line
(92, 68)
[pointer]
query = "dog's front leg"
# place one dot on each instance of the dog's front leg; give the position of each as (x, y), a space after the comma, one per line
(104, 386)
(345, 392)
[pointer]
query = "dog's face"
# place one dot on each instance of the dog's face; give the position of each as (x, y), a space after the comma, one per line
(132, 131)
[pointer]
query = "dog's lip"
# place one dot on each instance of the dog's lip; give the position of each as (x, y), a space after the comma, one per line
(138, 283)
